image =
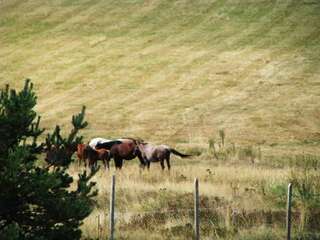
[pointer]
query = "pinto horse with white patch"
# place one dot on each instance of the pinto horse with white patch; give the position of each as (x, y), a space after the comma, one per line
(99, 143)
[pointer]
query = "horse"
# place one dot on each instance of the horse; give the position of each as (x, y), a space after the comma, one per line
(99, 143)
(127, 150)
(93, 155)
(90, 156)
(59, 155)
(158, 153)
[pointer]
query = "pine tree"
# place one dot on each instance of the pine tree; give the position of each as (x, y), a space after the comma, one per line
(37, 202)
(59, 149)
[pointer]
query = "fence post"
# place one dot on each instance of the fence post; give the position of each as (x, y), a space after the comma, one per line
(112, 197)
(98, 226)
(288, 222)
(196, 210)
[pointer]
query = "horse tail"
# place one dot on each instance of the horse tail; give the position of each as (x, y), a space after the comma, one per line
(178, 153)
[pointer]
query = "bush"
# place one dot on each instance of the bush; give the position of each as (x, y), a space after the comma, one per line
(305, 199)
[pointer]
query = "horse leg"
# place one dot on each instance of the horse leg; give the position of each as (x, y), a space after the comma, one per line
(143, 161)
(106, 164)
(87, 162)
(108, 159)
(90, 164)
(85, 155)
(95, 162)
(118, 163)
(162, 164)
(148, 165)
(168, 162)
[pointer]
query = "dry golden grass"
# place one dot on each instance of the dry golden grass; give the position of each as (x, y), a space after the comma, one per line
(174, 72)
(140, 192)
(165, 72)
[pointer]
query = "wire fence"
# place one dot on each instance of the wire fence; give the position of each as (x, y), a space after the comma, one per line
(214, 220)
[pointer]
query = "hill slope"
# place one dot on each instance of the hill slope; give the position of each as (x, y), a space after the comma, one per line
(170, 71)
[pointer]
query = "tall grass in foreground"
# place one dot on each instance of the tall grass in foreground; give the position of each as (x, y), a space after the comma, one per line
(237, 201)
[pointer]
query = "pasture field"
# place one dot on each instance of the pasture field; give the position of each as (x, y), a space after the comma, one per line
(171, 71)
(182, 73)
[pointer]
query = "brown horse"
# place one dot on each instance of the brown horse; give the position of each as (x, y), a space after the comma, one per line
(127, 150)
(158, 153)
(93, 155)
(90, 156)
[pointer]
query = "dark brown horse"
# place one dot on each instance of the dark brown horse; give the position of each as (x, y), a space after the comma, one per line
(158, 153)
(127, 150)
(59, 155)
(93, 155)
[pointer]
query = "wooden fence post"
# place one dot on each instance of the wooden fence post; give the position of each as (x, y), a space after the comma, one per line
(288, 222)
(112, 198)
(98, 226)
(196, 210)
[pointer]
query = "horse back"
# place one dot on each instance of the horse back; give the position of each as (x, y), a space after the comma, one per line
(103, 154)
(125, 150)
(161, 153)
(155, 153)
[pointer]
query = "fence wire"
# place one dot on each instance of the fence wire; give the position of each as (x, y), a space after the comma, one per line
(212, 220)
(217, 218)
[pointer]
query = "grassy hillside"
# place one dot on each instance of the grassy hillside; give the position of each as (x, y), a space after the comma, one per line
(171, 71)
(177, 72)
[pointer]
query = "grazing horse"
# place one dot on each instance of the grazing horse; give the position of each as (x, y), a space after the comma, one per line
(127, 150)
(158, 153)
